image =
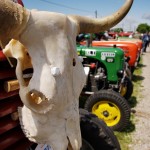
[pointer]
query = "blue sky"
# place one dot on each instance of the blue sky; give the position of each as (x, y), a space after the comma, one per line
(139, 13)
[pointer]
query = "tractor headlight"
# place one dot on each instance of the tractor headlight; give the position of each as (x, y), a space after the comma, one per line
(120, 73)
(127, 59)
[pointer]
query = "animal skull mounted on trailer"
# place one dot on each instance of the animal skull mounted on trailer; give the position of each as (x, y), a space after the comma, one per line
(50, 113)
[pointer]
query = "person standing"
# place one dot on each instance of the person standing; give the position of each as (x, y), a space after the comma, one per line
(149, 39)
(145, 39)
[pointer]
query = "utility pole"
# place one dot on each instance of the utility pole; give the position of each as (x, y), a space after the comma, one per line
(95, 13)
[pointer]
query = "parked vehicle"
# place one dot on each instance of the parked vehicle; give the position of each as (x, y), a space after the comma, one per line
(106, 69)
(134, 40)
(131, 50)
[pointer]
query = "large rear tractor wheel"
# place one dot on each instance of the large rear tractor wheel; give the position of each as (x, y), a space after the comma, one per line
(111, 107)
(126, 88)
(96, 135)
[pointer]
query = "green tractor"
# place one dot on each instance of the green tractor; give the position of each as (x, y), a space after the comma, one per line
(105, 68)
(109, 67)
(108, 85)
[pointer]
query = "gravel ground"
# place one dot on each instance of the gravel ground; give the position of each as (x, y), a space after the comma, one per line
(141, 135)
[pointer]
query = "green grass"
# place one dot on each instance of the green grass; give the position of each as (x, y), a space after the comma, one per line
(125, 137)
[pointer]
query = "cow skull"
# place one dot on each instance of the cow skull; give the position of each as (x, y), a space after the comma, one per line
(50, 113)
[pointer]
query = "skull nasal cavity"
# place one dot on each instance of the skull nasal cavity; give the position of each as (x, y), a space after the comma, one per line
(37, 97)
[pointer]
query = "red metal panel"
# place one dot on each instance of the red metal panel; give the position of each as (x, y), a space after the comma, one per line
(4, 95)
(11, 135)
(7, 73)
(9, 106)
(2, 56)
(22, 145)
(6, 123)
(10, 138)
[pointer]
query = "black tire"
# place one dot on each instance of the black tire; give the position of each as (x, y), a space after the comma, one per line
(111, 107)
(128, 85)
(129, 73)
(86, 145)
(139, 58)
(95, 132)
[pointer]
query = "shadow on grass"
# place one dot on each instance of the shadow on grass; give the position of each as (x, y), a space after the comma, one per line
(132, 101)
(141, 65)
(130, 128)
(137, 78)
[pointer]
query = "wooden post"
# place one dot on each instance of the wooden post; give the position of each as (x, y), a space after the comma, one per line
(13, 85)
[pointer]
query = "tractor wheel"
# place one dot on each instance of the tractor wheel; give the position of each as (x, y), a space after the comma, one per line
(127, 88)
(111, 107)
(129, 73)
(96, 134)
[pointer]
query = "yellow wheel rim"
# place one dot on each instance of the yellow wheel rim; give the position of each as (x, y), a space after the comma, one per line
(123, 90)
(108, 112)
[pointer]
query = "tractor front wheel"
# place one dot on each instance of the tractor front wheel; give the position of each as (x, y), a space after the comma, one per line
(127, 88)
(111, 107)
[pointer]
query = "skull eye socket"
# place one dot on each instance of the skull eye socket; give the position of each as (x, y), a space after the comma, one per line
(27, 75)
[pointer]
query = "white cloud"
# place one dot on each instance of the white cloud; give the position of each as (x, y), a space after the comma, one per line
(128, 24)
(146, 16)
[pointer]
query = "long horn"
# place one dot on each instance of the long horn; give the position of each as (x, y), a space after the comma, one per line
(90, 25)
(13, 19)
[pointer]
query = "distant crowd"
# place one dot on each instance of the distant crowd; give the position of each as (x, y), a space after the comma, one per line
(107, 35)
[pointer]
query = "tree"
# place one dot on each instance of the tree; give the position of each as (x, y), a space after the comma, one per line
(117, 30)
(143, 28)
